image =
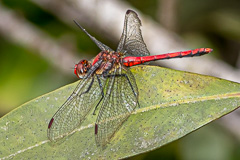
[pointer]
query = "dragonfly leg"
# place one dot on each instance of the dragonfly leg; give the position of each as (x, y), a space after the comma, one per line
(90, 86)
(101, 87)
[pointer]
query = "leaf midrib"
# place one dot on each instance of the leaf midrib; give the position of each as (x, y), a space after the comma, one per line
(141, 110)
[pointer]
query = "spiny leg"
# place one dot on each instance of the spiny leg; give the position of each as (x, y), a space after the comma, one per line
(90, 86)
(100, 85)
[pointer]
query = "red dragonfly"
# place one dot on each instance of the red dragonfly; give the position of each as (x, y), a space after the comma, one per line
(107, 82)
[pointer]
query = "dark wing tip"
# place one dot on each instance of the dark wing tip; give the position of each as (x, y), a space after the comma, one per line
(135, 14)
(77, 24)
(50, 123)
(129, 11)
(96, 129)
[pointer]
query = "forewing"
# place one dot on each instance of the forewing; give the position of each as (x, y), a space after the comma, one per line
(100, 45)
(121, 98)
(74, 110)
(131, 42)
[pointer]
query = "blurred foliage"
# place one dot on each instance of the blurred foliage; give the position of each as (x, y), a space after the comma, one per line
(216, 23)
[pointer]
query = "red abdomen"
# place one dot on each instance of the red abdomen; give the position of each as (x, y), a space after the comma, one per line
(131, 61)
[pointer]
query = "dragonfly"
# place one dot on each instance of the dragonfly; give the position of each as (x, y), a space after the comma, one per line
(106, 82)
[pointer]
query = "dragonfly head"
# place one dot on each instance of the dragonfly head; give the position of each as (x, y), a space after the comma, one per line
(82, 68)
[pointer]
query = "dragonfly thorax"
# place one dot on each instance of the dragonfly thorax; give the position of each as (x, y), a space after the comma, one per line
(82, 68)
(110, 56)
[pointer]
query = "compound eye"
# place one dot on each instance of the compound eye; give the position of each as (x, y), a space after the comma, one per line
(81, 68)
(84, 62)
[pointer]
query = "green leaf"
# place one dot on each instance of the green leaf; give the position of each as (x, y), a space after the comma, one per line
(173, 104)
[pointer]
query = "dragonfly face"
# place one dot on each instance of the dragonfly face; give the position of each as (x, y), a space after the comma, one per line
(82, 68)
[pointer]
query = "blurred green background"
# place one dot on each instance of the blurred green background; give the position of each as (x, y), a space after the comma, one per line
(26, 73)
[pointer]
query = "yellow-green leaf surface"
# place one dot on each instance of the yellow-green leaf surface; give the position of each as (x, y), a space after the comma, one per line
(172, 104)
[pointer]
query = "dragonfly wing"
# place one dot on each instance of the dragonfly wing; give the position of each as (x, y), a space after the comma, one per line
(120, 100)
(131, 42)
(72, 113)
(100, 45)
